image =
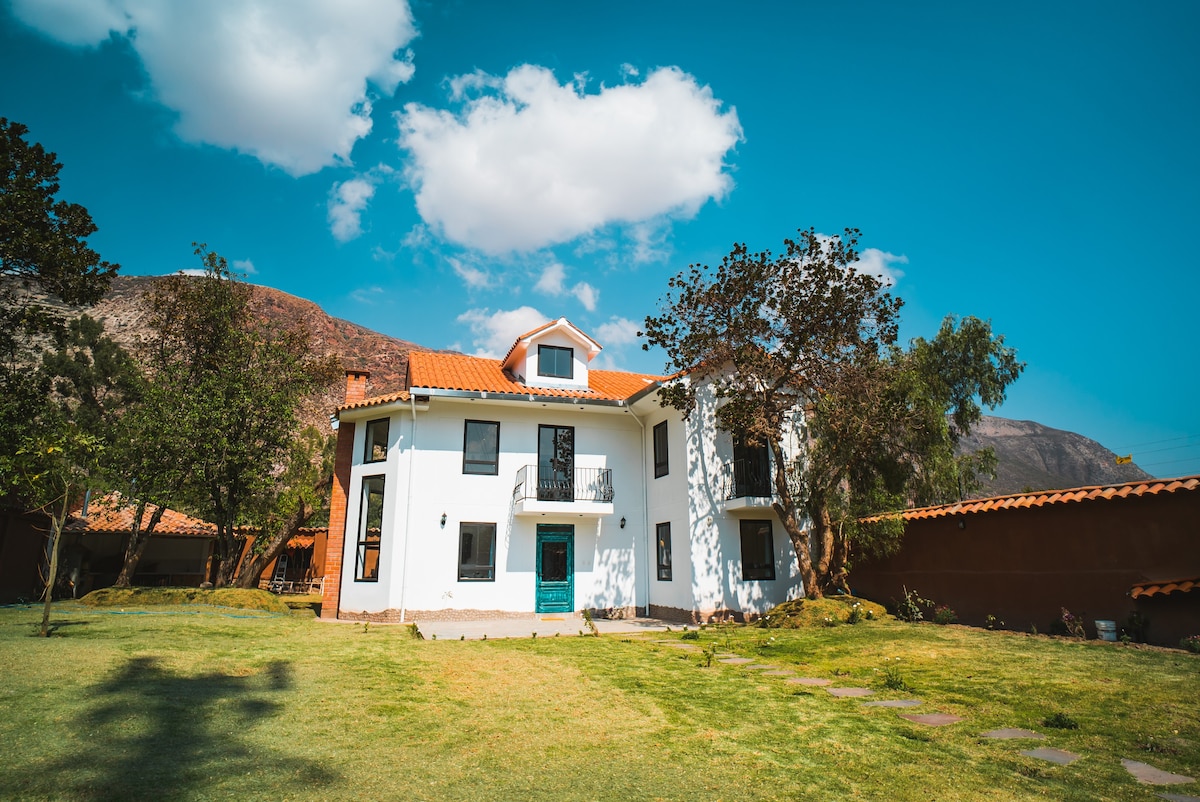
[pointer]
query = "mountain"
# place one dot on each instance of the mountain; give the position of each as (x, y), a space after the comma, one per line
(124, 314)
(1031, 456)
(1035, 457)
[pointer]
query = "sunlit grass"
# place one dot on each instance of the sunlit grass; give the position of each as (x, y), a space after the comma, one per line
(180, 703)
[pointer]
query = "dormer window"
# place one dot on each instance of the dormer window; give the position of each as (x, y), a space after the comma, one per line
(556, 362)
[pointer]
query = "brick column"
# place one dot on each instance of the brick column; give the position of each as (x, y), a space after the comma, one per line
(335, 543)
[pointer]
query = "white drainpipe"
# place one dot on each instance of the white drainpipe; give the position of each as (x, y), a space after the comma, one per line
(412, 447)
(645, 512)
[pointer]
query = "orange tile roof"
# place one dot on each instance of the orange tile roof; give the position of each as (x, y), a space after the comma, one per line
(111, 514)
(1047, 497)
(476, 374)
(402, 395)
(542, 328)
(1153, 588)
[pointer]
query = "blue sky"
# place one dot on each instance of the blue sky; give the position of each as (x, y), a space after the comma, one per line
(453, 173)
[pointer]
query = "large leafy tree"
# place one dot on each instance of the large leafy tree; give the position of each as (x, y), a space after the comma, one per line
(226, 390)
(48, 450)
(807, 331)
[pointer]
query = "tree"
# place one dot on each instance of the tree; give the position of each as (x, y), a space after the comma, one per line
(807, 331)
(47, 451)
(226, 392)
(302, 491)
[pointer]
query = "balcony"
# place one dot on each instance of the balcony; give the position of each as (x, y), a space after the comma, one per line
(747, 484)
(584, 491)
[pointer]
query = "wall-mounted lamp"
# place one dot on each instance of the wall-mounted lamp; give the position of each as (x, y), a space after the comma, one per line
(622, 521)
(443, 520)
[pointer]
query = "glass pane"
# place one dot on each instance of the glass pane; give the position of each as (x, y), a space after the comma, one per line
(554, 562)
(481, 447)
(377, 438)
(477, 552)
(370, 528)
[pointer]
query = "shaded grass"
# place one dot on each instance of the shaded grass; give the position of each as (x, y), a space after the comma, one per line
(205, 705)
(219, 597)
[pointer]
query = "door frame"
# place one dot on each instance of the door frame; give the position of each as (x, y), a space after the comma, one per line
(554, 533)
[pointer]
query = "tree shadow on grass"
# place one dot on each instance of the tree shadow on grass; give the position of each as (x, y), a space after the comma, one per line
(153, 734)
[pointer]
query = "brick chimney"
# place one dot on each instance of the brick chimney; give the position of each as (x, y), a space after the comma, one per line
(335, 543)
(356, 386)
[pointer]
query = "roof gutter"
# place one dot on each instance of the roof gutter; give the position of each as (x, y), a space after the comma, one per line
(435, 392)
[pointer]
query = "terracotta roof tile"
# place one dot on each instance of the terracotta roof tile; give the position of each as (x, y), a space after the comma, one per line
(1154, 588)
(1026, 500)
(112, 515)
(402, 395)
(476, 374)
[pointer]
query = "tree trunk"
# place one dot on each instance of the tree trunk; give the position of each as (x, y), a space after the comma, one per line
(787, 510)
(56, 526)
(138, 539)
(251, 571)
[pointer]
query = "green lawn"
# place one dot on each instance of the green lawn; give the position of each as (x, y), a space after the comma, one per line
(212, 703)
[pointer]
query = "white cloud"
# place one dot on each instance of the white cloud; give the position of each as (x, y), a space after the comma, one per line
(529, 162)
(286, 82)
(347, 201)
(618, 331)
(244, 266)
(367, 295)
(493, 333)
(193, 271)
(875, 262)
(553, 283)
(474, 277)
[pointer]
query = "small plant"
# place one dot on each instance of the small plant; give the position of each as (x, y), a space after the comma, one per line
(1060, 721)
(995, 623)
(367, 627)
(1158, 747)
(1073, 624)
(870, 615)
(591, 625)
(1191, 643)
(909, 608)
(534, 635)
(1033, 629)
(413, 631)
(893, 679)
(709, 652)
(943, 614)
(690, 634)
(829, 622)
(856, 614)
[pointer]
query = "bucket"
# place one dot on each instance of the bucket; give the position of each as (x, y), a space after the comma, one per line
(1106, 630)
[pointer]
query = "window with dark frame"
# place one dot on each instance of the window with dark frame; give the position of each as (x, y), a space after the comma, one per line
(661, 462)
(758, 550)
(370, 530)
(663, 534)
(556, 362)
(377, 440)
(476, 552)
(481, 447)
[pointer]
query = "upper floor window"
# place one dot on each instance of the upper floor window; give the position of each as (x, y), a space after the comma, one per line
(377, 440)
(481, 447)
(556, 362)
(661, 463)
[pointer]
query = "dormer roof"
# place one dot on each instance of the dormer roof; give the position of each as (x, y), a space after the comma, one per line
(563, 326)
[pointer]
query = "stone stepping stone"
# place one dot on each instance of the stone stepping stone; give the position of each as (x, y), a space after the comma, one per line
(757, 667)
(894, 703)
(778, 673)
(1179, 798)
(736, 661)
(1013, 732)
(1147, 774)
(932, 719)
(1058, 756)
(726, 654)
(816, 681)
(688, 647)
(843, 693)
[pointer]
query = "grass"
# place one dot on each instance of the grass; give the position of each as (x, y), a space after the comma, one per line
(193, 702)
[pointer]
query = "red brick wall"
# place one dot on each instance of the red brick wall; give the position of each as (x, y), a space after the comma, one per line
(1024, 565)
(336, 539)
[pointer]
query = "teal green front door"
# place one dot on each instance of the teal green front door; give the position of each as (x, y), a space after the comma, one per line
(555, 568)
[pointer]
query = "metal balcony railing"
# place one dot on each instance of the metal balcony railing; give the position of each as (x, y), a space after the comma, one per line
(744, 478)
(582, 484)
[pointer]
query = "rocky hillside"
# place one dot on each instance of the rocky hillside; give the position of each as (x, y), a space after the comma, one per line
(124, 315)
(1035, 457)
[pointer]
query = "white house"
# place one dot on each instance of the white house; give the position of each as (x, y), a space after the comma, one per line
(535, 484)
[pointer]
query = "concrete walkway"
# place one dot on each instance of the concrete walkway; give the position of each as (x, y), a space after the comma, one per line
(546, 626)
